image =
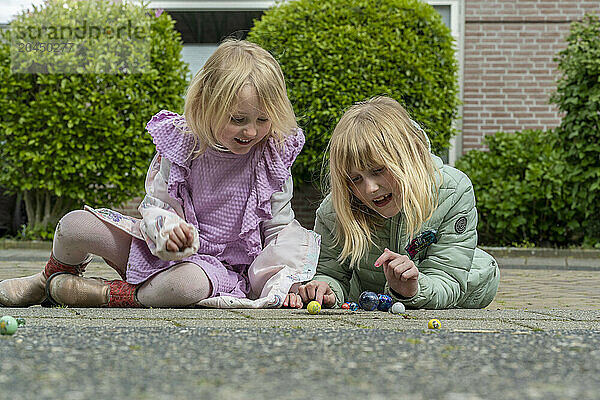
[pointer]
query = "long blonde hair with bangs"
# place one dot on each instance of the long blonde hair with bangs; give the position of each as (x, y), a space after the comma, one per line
(213, 92)
(379, 132)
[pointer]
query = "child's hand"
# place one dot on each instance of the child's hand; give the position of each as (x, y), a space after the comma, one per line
(400, 272)
(180, 237)
(318, 291)
(292, 300)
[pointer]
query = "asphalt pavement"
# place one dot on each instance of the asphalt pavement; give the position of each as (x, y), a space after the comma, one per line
(539, 339)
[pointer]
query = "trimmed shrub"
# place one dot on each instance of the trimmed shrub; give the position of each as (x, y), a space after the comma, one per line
(519, 186)
(73, 131)
(337, 52)
(578, 97)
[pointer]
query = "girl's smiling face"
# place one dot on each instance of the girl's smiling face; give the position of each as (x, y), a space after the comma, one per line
(377, 189)
(248, 123)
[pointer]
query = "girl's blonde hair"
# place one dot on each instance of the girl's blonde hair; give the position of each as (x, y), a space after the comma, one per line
(213, 92)
(379, 133)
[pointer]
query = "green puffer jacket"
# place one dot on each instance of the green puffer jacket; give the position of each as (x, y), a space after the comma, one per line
(453, 273)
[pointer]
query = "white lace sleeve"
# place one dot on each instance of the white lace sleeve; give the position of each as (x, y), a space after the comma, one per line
(161, 213)
(281, 209)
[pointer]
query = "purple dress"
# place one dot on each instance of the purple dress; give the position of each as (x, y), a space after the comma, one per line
(225, 196)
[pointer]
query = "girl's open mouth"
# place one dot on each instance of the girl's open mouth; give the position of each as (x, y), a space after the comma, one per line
(243, 142)
(383, 200)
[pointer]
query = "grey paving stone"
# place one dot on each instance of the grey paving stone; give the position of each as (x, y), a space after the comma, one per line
(447, 324)
(287, 313)
(486, 314)
(159, 313)
(575, 315)
(37, 311)
(99, 323)
(511, 261)
(545, 261)
(592, 263)
(296, 325)
(558, 325)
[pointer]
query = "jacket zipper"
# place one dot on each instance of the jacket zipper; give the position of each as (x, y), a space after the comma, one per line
(397, 233)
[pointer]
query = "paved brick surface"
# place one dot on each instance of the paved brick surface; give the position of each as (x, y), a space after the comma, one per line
(542, 288)
(519, 288)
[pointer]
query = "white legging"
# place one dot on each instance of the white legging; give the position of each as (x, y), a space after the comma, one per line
(80, 233)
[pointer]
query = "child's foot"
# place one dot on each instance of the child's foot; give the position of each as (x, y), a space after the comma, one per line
(76, 291)
(23, 292)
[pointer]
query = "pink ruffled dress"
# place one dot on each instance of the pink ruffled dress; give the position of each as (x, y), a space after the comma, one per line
(225, 196)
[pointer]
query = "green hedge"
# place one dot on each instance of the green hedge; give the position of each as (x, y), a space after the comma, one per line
(578, 97)
(336, 52)
(75, 135)
(519, 186)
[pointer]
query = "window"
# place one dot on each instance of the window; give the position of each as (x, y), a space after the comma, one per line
(213, 26)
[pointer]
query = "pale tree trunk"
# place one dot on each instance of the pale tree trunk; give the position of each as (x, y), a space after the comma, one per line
(16, 220)
(43, 209)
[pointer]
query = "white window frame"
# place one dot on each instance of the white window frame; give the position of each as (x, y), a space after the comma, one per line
(213, 5)
(457, 30)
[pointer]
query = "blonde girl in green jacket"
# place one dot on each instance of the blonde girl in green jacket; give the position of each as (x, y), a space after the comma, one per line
(397, 220)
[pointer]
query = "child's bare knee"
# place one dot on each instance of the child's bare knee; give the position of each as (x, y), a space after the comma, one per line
(71, 224)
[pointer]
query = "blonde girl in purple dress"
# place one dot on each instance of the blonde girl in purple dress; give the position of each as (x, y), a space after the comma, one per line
(217, 226)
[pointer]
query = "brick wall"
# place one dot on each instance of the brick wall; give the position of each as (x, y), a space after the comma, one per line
(509, 72)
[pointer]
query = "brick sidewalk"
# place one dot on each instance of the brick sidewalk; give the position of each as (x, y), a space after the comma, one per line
(519, 288)
(540, 288)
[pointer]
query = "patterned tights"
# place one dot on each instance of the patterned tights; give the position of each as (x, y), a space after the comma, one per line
(80, 233)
